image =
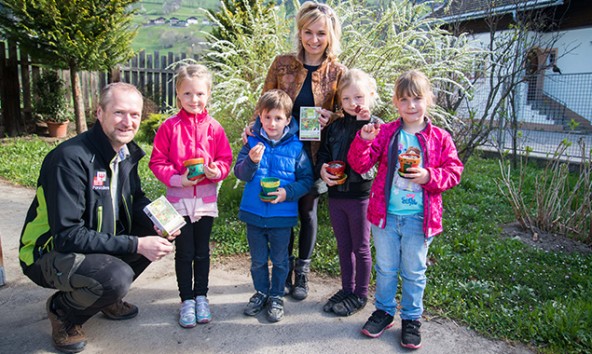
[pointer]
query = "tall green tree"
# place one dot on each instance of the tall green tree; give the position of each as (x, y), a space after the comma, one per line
(237, 17)
(76, 35)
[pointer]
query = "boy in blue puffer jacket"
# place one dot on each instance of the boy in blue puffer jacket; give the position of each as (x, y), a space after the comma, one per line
(273, 151)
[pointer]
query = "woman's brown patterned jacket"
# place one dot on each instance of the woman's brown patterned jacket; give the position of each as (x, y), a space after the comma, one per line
(287, 73)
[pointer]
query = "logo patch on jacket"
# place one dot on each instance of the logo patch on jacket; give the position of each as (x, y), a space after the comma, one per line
(100, 181)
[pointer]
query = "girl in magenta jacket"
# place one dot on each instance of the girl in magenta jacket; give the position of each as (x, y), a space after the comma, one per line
(192, 135)
(405, 206)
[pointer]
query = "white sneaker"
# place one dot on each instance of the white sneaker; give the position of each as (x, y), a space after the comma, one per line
(202, 308)
(187, 314)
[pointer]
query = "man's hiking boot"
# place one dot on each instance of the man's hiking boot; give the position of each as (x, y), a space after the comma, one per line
(120, 310)
(66, 337)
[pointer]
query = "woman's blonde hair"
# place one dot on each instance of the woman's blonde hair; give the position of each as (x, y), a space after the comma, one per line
(311, 12)
(414, 83)
(275, 99)
(192, 71)
(360, 79)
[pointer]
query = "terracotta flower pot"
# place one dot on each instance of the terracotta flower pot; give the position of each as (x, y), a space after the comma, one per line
(57, 129)
(336, 168)
(408, 160)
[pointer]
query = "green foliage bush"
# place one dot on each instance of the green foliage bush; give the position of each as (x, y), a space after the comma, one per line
(384, 41)
(149, 126)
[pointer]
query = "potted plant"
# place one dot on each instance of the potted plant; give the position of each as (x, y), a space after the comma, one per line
(50, 103)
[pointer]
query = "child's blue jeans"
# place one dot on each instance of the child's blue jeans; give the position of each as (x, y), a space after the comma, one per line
(264, 244)
(401, 248)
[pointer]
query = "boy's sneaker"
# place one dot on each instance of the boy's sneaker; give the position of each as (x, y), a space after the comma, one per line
(275, 309)
(377, 323)
(350, 305)
(187, 314)
(256, 304)
(410, 336)
(202, 309)
(337, 297)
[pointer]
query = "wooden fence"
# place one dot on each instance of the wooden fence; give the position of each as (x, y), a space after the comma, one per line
(151, 73)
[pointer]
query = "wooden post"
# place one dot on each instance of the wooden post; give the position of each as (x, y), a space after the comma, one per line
(2, 278)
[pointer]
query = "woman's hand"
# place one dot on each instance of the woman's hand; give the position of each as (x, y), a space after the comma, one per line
(324, 117)
(247, 132)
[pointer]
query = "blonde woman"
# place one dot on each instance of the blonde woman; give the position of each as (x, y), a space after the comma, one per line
(309, 76)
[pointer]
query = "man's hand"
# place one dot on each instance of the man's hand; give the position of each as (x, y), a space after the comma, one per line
(154, 247)
(170, 237)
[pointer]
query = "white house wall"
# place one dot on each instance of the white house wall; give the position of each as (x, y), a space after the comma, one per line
(572, 87)
(574, 51)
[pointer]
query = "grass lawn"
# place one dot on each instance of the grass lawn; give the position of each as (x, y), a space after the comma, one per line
(497, 286)
(166, 38)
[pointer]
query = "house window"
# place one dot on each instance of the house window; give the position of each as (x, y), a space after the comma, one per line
(552, 57)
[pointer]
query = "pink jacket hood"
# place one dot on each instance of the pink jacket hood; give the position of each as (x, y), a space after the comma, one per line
(440, 159)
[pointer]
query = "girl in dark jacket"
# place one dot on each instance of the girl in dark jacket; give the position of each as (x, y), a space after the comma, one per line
(348, 194)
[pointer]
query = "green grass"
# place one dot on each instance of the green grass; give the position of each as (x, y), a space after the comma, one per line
(165, 38)
(496, 286)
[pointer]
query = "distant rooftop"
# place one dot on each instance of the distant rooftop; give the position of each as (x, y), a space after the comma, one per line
(464, 10)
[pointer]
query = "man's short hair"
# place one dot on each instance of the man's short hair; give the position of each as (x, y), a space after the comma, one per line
(107, 92)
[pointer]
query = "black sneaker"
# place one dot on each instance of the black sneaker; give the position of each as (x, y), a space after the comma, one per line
(377, 323)
(410, 336)
(350, 305)
(338, 297)
(275, 309)
(256, 304)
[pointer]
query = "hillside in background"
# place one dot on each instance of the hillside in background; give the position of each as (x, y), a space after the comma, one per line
(164, 26)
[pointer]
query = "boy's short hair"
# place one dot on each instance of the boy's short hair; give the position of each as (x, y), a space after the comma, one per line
(275, 99)
(414, 83)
